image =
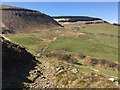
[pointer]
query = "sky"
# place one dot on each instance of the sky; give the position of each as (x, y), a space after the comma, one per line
(106, 10)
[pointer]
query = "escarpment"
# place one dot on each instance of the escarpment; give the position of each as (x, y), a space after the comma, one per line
(25, 20)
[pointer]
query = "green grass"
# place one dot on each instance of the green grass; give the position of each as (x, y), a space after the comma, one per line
(94, 45)
(23, 39)
(29, 41)
(101, 28)
(100, 46)
(34, 42)
(107, 72)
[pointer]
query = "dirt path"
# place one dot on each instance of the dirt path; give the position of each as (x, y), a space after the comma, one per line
(46, 80)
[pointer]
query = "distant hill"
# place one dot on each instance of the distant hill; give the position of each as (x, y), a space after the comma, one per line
(78, 18)
(15, 19)
(116, 24)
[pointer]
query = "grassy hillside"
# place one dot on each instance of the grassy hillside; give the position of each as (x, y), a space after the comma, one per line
(34, 42)
(95, 45)
(101, 28)
(99, 41)
(102, 46)
(30, 42)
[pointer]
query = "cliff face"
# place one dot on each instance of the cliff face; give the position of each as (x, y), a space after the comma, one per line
(74, 18)
(25, 20)
(16, 64)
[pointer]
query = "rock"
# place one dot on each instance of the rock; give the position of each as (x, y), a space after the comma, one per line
(59, 72)
(59, 68)
(95, 70)
(74, 70)
(44, 77)
(112, 79)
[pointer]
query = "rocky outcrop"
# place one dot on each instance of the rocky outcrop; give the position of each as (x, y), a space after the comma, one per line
(25, 20)
(4, 29)
(80, 20)
(74, 18)
(16, 65)
(116, 24)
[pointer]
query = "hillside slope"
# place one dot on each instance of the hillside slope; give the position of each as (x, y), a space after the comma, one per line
(16, 65)
(25, 20)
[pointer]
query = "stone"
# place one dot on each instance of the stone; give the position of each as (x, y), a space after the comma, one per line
(59, 68)
(74, 70)
(112, 79)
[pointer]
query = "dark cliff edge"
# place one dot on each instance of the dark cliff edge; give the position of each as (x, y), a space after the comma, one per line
(16, 64)
(25, 20)
(76, 18)
(116, 24)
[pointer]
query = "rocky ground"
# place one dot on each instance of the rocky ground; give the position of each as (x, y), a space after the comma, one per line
(46, 79)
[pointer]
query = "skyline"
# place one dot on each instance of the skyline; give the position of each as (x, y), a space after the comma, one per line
(105, 10)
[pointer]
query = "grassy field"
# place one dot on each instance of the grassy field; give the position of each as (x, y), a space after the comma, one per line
(101, 28)
(34, 42)
(94, 45)
(30, 42)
